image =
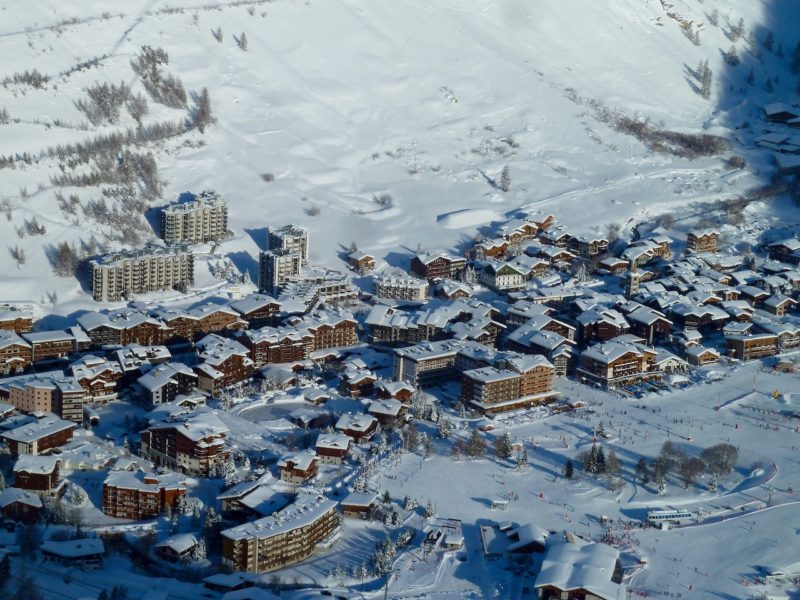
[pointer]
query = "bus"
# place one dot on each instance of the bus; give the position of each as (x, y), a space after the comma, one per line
(668, 516)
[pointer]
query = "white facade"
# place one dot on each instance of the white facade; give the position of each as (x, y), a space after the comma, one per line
(201, 220)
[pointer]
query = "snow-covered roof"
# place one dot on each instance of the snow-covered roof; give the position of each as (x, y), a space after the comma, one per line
(74, 548)
(179, 543)
(40, 337)
(304, 511)
(389, 407)
(11, 495)
(530, 533)
(302, 461)
(42, 465)
(697, 351)
(197, 425)
(252, 303)
(9, 338)
(164, 374)
(360, 499)
(38, 429)
(572, 566)
(333, 441)
(136, 481)
(360, 422)
(610, 351)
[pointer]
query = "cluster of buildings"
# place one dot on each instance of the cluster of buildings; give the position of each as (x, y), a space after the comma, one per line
(610, 314)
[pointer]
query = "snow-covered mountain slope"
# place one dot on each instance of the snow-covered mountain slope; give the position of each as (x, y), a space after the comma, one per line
(342, 100)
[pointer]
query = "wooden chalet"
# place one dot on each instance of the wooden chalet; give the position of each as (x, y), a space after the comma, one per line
(361, 261)
(299, 468)
(702, 240)
(20, 506)
(438, 266)
(359, 505)
(38, 474)
(360, 427)
(16, 354)
(50, 344)
(752, 347)
(332, 448)
(15, 319)
(258, 310)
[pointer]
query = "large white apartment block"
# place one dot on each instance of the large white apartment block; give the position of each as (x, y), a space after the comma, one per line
(291, 238)
(203, 219)
(119, 275)
(275, 267)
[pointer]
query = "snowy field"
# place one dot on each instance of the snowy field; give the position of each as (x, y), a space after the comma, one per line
(744, 523)
(424, 102)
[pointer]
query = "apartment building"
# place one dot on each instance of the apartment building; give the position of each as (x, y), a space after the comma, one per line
(165, 382)
(702, 240)
(750, 347)
(224, 362)
(291, 238)
(258, 310)
(192, 445)
(123, 327)
(38, 474)
(426, 363)
(18, 319)
(47, 392)
(50, 344)
(618, 363)
(98, 377)
(282, 539)
(275, 267)
(400, 288)
(16, 354)
(515, 382)
(128, 495)
(202, 219)
(39, 436)
(438, 266)
(119, 275)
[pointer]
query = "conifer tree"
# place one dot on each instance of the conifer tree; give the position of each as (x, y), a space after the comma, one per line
(505, 179)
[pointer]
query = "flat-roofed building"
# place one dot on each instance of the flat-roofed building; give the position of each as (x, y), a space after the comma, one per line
(202, 219)
(39, 436)
(426, 363)
(282, 539)
(751, 347)
(292, 238)
(275, 267)
(119, 275)
(400, 288)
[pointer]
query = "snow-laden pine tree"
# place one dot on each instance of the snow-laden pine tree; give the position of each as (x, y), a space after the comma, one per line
(199, 552)
(505, 179)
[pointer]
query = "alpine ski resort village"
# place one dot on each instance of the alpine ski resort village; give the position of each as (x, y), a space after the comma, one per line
(363, 299)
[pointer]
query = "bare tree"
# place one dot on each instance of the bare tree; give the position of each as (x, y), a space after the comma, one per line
(720, 458)
(242, 42)
(613, 231)
(689, 469)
